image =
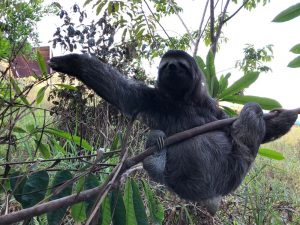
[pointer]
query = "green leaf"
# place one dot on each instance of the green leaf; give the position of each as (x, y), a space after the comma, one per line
(44, 149)
(242, 83)
(128, 201)
(76, 139)
(296, 49)
(19, 130)
(265, 103)
(288, 14)
(295, 63)
(91, 181)
(100, 5)
(42, 63)
(269, 153)
(117, 142)
(67, 86)
(155, 208)
(139, 208)
(230, 112)
(106, 212)
(117, 207)
(17, 182)
(202, 67)
(18, 91)
(223, 82)
(35, 189)
(214, 83)
(78, 212)
(87, 2)
(30, 128)
(57, 147)
(60, 178)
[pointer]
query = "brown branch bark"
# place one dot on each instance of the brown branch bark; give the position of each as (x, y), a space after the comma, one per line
(98, 191)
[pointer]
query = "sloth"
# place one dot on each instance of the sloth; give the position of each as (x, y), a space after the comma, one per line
(203, 168)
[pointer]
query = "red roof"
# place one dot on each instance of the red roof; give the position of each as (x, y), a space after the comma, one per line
(23, 67)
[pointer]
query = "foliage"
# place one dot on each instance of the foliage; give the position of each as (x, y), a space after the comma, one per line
(254, 59)
(17, 25)
(286, 15)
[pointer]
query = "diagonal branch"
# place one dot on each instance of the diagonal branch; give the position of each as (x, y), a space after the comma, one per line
(99, 191)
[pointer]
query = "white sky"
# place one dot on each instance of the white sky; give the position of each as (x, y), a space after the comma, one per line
(255, 27)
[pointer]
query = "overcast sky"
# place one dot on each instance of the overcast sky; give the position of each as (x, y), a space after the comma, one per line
(255, 27)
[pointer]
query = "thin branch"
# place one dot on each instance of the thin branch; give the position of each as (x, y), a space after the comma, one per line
(242, 6)
(182, 22)
(119, 170)
(212, 21)
(200, 30)
(58, 159)
(221, 23)
(158, 21)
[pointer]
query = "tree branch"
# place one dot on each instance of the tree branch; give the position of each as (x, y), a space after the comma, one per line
(99, 191)
(221, 23)
(242, 6)
(200, 30)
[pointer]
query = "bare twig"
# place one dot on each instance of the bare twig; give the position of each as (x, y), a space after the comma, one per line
(242, 6)
(212, 21)
(158, 21)
(58, 159)
(218, 33)
(200, 30)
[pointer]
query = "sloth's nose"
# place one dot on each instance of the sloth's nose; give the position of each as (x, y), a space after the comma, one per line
(172, 66)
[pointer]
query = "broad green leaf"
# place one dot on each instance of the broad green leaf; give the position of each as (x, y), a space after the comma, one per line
(117, 207)
(223, 82)
(269, 153)
(242, 83)
(106, 212)
(288, 14)
(296, 49)
(213, 81)
(40, 95)
(265, 103)
(78, 212)
(43, 149)
(19, 130)
(17, 182)
(155, 208)
(35, 189)
(202, 67)
(76, 139)
(60, 178)
(295, 63)
(57, 147)
(139, 208)
(42, 63)
(230, 112)
(91, 181)
(67, 86)
(128, 201)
